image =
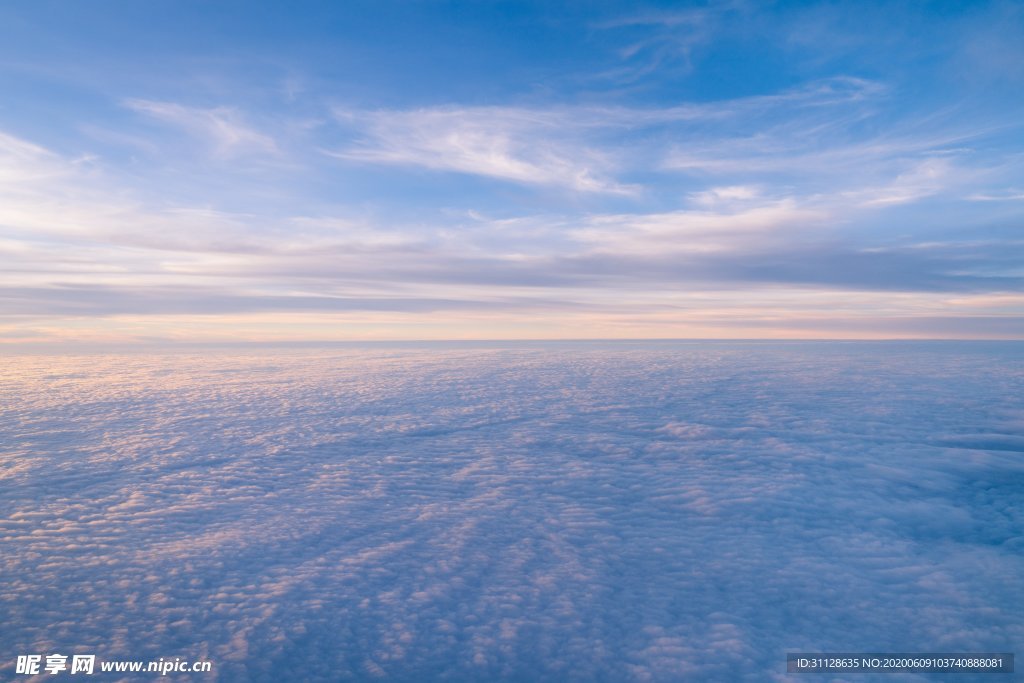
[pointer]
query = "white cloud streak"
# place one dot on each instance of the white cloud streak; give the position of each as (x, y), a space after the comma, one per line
(566, 147)
(222, 127)
(510, 144)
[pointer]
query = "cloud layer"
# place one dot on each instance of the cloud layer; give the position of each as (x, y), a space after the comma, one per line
(591, 512)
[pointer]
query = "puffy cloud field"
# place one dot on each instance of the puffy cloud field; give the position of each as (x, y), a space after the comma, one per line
(546, 512)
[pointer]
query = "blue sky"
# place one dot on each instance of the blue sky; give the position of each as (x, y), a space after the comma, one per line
(191, 170)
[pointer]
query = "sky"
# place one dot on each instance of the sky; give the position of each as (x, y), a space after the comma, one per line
(252, 171)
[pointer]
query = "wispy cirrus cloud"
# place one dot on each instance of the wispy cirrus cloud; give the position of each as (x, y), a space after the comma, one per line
(1011, 195)
(660, 41)
(583, 149)
(23, 163)
(222, 127)
(699, 231)
(520, 145)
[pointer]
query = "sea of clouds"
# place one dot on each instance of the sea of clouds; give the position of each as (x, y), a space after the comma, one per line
(546, 512)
